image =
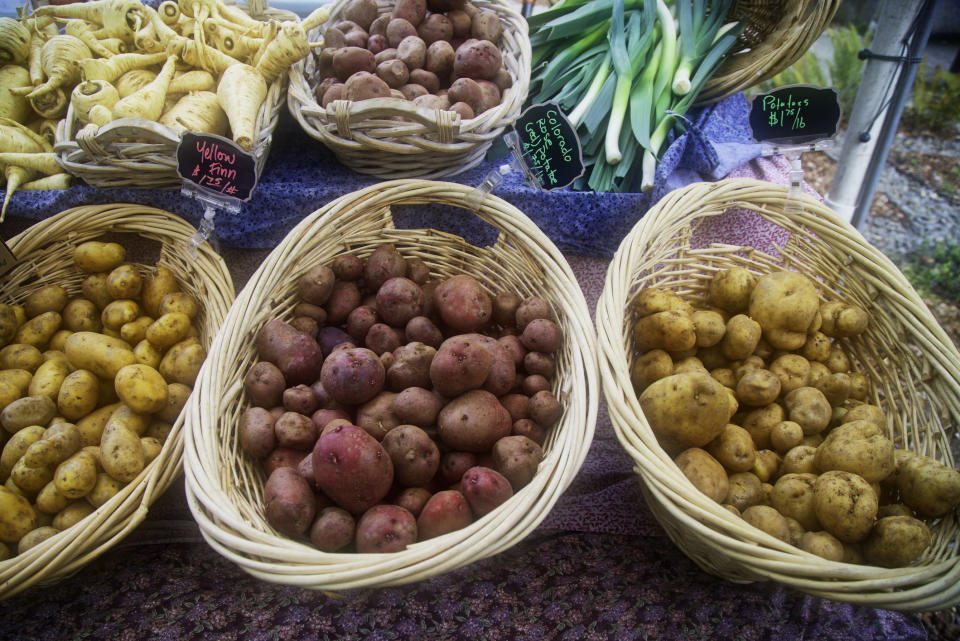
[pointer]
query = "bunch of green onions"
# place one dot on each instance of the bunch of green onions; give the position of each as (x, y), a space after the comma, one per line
(625, 72)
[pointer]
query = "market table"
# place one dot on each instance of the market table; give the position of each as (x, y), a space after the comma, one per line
(599, 566)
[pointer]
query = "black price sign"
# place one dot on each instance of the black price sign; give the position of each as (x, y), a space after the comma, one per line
(549, 146)
(796, 114)
(216, 164)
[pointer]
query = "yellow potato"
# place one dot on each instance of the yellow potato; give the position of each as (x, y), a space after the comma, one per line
(48, 378)
(58, 442)
(102, 355)
(147, 353)
(49, 298)
(30, 479)
(787, 306)
(709, 326)
(670, 330)
(686, 410)
(182, 362)
(704, 472)
(842, 320)
(72, 514)
(118, 312)
(121, 453)
(136, 330)
(76, 476)
(151, 448)
(29, 410)
(180, 302)
(733, 448)
(94, 289)
(19, 378)
(50, 500)
(652, 300)
(168, 329)
(36, 537)
(20, 356)
(17, 516)
(58, 339)
(8, 324)
(141, 388)
(8, 393)
(159, 430)
(98, 256)
(79, 394)
(104, 489)
(124, 281)
(17, 446)
(159, 284)
(652, 366)
(91, 426)
(845, 504)
(730, 289)
(177, 395)
(81, 315)
(128, 419)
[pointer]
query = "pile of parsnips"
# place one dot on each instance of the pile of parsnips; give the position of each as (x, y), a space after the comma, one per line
(197, 65)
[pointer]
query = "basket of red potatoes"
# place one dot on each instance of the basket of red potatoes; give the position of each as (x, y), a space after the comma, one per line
(790, 402)
(413, 88)
(384, 405)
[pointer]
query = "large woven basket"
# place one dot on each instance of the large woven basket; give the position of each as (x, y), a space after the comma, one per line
(776, 34)
(224, 485)
(142, 154)
(45, 255)
(367, 136)
(915, 370)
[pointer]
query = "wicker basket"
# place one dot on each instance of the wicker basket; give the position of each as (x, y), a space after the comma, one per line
(680, 243)
(45, 255)
(139, 153)
(776, 34)
(224, 485)
(367, 137)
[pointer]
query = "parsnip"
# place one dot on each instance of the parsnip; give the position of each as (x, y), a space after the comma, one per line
(194, 80)
(58, 59)
(11, 106)
(92, 93)
(230, 41)
(15, 137)
(52, 105)
(53, 181)
(289, 46)
(82, 31)
(241, 91)
(169, 12)
(110, 69)
(197, 111)
(133, 81)
(44, 162)
(116, 18)
(14, 41)
(147, 103)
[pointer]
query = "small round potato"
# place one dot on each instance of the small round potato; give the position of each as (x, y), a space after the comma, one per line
(895, 541)
(793, 496)
(79, 394)
(845, 504)
(766, 518)
(686, 410)
(142, 388)
(730, 289)
(124, 281)
(733, 448)
(705, 472)
(98, 256)
(823, 544)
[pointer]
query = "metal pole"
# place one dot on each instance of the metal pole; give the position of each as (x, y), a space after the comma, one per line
(851, 183)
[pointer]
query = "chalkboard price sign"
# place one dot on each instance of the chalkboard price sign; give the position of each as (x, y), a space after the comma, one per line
(216, 164)
(549, 146)
(795, 114)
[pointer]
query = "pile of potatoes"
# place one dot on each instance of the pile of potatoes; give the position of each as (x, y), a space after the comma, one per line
(440, 54)
(90, 386)
(750, 388)
(393, 407)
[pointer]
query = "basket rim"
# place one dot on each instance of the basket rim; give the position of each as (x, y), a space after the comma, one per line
(757, 555)
(259, 552)
(68, 551)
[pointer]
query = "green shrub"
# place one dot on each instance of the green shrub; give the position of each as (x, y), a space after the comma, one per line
(934, 104)
(933, 269)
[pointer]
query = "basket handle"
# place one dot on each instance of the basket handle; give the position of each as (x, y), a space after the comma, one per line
(346, 112)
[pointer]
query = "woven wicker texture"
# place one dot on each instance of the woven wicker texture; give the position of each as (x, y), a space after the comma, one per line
(913, 366)
(367, 137)
(224, 485)
(45, 256)
(776, 34)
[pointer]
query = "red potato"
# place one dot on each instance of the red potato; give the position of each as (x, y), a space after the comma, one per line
(352, 468)
(288, 500)
(398, 300)
(297, 355)
(426, 79)
(453, 465)
(362, 12)
(415, 456)
(542, 335)
(333, 529)
(531, 308)
(379, 25)
(324, 415)
(282, 457)
(412, 50)
(534, 383)
(473, 422)
(300, 398)
(295, 431)
(539, 363)
(264, 384)
(544, 408)
(353, 375)
(382, 339)
(383, 264)
(517, 458)
(305, 325)
(461, 22)
(393, 72)
(347, 267)
(465, 90)
(446, 511)
(385, 528)
(446, 5)
(516, 404)
(376, 416)
(329, 337)
(413, 499)
(375, 44)
(305, 470)
(514, 347)
(421, 329)
(364, 85)
(485, 25)
(435, 27)
(505, 305)
(398, 29)
(360, 320)
(527, 427)
(413, 11)
(356, 38)
(336, 91)
(417, 406)
(463, 304)
(315, 285)
(411, 91)
(460, 364)
(503, 371)
(256, 434)
(349, 60)
(477, 59)
(485, 489)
